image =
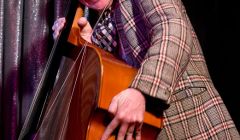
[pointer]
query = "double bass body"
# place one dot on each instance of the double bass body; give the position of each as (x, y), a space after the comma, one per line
(87, 80)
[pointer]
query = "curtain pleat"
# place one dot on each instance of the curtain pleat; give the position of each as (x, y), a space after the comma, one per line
(25, 43)
(11, 38)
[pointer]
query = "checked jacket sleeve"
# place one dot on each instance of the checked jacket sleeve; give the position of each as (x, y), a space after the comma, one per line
(169, 51)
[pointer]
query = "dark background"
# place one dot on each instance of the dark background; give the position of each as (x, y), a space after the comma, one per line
(217, 26)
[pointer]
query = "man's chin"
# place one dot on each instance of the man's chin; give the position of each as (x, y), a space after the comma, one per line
(96, 5)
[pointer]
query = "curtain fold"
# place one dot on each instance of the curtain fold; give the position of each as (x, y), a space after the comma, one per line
(25, 43)
(11, 34)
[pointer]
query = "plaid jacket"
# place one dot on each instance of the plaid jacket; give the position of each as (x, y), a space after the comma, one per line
(157, 37)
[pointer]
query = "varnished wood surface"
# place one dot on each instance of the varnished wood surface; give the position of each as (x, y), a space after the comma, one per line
(77, 108)
(113, 72)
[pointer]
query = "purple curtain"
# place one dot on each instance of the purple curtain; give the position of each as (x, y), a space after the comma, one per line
(25, 42)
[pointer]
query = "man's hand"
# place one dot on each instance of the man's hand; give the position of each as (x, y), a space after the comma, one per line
(57, 27)
(128, 108)
(86, 29)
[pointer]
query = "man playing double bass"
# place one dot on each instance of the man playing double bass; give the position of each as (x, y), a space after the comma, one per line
(156, 37)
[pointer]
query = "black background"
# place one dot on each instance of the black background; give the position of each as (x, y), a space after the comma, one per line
(217, 26)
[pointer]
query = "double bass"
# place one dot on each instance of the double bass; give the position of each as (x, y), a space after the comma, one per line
(76, 89)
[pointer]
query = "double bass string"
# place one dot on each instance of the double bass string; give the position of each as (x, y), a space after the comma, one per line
(83, 49)
(45, 84)
(81, 58)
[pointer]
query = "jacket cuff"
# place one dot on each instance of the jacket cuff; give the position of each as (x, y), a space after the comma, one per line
(156, 100)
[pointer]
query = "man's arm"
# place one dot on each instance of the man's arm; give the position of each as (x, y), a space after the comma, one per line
(170, 50)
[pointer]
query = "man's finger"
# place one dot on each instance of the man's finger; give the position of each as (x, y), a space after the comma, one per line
(138, 135)
(130, 132)
(122, 131)
(138, 131)
(82, 21)
(110, 128)
(55, 35)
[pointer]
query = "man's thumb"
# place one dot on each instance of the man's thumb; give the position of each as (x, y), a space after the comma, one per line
(113, 107)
